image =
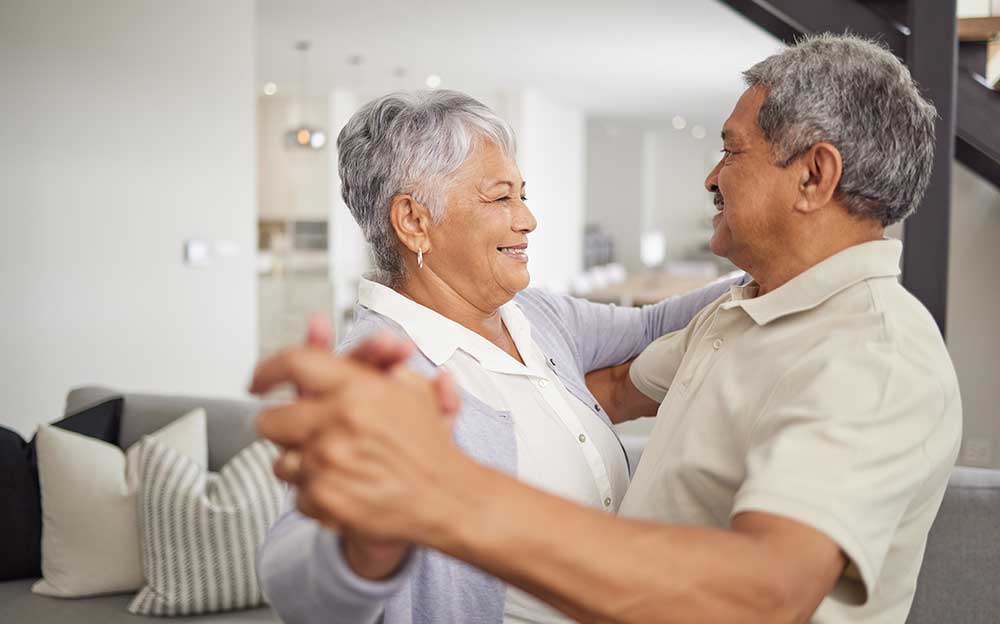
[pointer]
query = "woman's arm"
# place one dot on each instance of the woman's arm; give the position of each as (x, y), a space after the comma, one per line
(622, 401)
(607, 335)
(306, 577)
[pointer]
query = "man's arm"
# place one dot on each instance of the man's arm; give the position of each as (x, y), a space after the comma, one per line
(637, 387)
(622, 401)
(599, 568)
(385, 464)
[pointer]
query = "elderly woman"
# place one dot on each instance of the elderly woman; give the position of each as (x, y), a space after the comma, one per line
(432, 181)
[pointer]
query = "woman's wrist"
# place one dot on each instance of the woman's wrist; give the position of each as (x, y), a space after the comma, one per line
(374, 560)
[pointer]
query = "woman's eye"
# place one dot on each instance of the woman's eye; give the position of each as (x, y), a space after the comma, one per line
(524, 198)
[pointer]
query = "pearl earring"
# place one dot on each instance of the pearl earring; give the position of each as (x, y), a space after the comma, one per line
(420, 258)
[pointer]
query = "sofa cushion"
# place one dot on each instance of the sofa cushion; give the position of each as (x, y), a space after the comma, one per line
(20, 518)
(21, 514)
(18, 604)
(230, 421)
(961, 570)
(90, 529)
(200, 532)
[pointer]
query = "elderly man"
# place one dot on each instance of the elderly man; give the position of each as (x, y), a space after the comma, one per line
(809, 419)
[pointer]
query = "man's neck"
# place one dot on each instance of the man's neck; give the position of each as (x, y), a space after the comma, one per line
(779, 268)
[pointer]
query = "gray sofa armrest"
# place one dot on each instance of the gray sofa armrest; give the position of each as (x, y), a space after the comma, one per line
(960, 578)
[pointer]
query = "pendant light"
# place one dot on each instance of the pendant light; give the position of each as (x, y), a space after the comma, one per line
(303, 135)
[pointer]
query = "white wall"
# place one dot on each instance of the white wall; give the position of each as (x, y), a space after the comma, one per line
(551, 144)
(126, 127)
(642, 175)
(349, 255)
(974, 312)
(614, 186)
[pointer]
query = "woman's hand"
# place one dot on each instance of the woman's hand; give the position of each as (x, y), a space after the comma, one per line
(370, 558)
(371, 442)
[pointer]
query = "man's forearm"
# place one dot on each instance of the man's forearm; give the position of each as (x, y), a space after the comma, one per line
(599, 568)
(615, 391)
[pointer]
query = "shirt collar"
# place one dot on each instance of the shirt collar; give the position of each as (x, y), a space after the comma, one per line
(820, 282)
(438, 337)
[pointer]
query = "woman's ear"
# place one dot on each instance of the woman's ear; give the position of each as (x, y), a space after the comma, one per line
(822, 168)
(411, 220)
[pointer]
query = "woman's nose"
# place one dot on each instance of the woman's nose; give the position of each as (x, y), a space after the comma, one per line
(524, 220)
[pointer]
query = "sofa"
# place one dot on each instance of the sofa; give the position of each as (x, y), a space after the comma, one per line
(959, 582)
(230, 426)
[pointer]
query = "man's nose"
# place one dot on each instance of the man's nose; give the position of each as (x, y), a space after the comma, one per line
(712, 181)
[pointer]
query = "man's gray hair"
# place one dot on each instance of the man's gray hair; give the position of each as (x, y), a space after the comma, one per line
(409, 143)
(854, 94)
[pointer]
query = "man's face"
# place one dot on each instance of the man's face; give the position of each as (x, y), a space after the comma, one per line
(754, 196)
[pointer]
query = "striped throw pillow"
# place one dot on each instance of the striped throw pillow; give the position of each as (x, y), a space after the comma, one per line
(200, 530)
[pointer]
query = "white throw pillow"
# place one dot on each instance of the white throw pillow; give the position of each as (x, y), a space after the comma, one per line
(90, 530)
(200, 531)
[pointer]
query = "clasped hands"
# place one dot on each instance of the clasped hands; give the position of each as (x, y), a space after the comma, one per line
(364, 443)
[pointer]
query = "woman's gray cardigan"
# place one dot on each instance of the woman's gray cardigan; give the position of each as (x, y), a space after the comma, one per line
(300, 566)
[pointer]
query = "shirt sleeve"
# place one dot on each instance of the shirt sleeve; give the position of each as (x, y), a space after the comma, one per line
(654, 370)
(305, 578)
(607, 335)
(841, 447)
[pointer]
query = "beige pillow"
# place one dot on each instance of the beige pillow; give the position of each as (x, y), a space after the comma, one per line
(90, 527)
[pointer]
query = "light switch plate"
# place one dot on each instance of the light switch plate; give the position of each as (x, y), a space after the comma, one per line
(197, 252)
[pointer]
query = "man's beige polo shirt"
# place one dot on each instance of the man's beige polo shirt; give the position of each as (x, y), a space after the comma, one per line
(831, 401)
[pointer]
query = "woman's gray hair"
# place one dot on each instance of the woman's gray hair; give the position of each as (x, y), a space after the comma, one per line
(854, 94)
(409, 143)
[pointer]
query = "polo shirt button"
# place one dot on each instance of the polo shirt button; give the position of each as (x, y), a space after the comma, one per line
(582, 438)
(607, 502)
(542, 383)
(717, 344)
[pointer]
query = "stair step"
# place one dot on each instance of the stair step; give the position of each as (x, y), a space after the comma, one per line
(978, 28)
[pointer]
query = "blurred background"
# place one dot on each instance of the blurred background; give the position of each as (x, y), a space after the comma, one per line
(172, 209)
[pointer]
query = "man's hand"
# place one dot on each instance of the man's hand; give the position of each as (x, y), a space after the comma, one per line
(357, 416)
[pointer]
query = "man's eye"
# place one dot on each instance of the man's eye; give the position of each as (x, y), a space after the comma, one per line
(524, 198)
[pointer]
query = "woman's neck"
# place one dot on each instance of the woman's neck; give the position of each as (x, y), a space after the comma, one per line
(432, 292)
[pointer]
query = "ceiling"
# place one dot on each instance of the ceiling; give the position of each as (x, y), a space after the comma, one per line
(624, 58)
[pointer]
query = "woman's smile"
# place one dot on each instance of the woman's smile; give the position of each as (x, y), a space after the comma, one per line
(517, 253)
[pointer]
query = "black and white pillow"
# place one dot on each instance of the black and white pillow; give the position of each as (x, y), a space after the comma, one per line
(21, 512)
(200, 531)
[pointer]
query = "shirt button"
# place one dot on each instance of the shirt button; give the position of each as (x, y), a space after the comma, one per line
(542, 383)
(717, 344)
(607, 502)
(582, 438)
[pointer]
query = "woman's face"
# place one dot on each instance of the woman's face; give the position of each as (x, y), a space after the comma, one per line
(480, 248)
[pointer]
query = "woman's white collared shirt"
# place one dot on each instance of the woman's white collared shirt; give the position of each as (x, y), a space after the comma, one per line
(562, 447)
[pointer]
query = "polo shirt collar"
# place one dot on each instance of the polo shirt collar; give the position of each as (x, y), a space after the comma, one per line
(820, 282)
(438, 337)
